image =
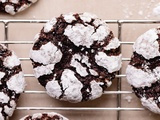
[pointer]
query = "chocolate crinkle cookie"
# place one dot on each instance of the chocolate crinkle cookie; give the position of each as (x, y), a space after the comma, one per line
(75, 57)
(12, 82)
(45, 116)
(143, 71)
(14, 6)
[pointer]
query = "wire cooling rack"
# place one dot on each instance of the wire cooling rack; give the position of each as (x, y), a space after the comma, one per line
(118, 92)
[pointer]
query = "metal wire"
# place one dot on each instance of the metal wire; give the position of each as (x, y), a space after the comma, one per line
(119, 92)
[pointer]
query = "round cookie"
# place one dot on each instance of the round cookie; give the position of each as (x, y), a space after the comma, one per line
(12, 82)
(14, 6)
(45, 116)
(75, 57)
(143, 71)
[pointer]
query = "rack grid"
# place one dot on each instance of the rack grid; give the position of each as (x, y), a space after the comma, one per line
(118, 92)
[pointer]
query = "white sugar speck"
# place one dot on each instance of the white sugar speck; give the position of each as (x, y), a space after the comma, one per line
(128, 98)
(140, 12)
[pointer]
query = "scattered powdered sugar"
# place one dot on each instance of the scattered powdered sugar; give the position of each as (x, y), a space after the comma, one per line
(128, 98)
(140, 12)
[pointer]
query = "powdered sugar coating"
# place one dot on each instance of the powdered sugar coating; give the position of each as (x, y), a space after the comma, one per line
(101, 33)
(17, 80)
(3, 98)
(9, 9)
(80, 34)
(69, 17)
(10, 109)
(14, 6)
(11, 61)
(87, 17)
(96, 91)
(2, 74)
(49, 25)
(48, 54)
(43, 70)
(1, 116)
(111, 63)
(150, 104)
(147, 44)
(11, 80)
(33, 1)
(53, 89)
(2, 1)
(113, 44)
(47, 116)
(79, 68)
(71, 86)
(14, 1)
(142, 79)
(64, 57)
(143, 69)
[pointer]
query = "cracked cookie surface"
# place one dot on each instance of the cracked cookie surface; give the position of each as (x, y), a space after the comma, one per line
(45, 116)
(75, 57)
(14, 6)
(143, 71)
(12, 82)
